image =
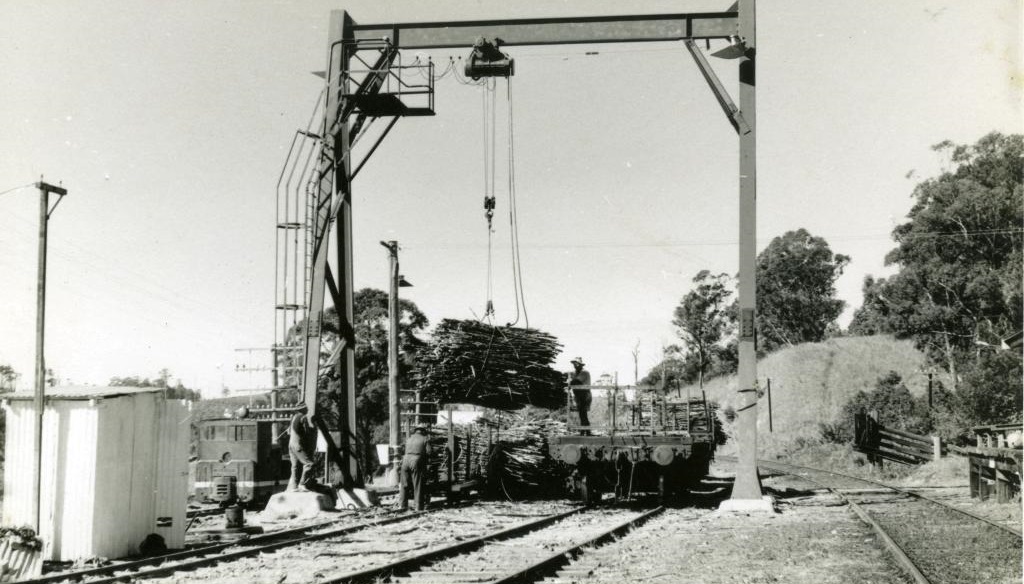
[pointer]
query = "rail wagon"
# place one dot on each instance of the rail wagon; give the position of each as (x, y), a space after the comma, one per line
(237, 459)
(639, 440)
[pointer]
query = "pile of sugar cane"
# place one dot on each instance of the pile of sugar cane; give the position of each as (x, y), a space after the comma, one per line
(507, 452)
(521, 466)
(505, 368)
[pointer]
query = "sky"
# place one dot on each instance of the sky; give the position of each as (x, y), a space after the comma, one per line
(169, 124)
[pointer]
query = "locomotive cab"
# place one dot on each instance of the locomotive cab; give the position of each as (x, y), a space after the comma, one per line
(237, 459)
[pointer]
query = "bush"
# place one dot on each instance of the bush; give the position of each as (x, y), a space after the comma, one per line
(896, 409)
(990, 392)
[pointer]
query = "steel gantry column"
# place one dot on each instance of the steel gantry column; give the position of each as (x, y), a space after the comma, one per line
(748, 484)
(333, 204)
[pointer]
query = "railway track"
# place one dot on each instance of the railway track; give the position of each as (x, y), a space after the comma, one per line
(528, 554)
(493, 542)
(935, 543)
(213, 554)
(444, 546)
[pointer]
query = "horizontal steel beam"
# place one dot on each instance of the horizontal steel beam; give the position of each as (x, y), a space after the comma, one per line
(555, 31)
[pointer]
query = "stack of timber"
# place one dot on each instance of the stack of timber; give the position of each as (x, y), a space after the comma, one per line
(505, 368)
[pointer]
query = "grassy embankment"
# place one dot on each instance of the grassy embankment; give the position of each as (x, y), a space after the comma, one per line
(810, 383)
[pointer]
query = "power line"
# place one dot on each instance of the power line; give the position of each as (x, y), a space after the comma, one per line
(11, 190)
(724, 242)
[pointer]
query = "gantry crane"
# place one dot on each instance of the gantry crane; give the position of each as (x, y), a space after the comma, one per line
(358, 91)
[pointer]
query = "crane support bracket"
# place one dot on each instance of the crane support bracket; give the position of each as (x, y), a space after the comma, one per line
(731, 111)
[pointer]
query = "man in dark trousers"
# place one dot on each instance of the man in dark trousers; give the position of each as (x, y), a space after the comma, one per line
(581, 377)
(301, 446)
(414, 469)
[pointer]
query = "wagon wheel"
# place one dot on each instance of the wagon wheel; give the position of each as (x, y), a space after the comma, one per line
(590, 493)
(585, 490)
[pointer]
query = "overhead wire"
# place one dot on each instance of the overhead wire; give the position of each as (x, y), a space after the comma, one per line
(12, 189)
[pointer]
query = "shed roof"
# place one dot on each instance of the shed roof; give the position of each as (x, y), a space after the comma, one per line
(75, 392)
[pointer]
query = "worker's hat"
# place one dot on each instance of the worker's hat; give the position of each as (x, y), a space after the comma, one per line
(577, 360)
(421, 428)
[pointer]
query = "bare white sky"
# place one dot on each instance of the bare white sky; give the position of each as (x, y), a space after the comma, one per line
(168, 123)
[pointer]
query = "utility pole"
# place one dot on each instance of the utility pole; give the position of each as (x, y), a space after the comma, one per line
(636, 366)
(44, 216)
(929, 390)
(394, 412)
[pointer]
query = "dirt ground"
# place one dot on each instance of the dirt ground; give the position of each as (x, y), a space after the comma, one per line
(812, 539)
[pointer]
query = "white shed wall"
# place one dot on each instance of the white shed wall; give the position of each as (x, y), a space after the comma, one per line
(19, 462)
(172, 469)
(110, 468)
(69, 478)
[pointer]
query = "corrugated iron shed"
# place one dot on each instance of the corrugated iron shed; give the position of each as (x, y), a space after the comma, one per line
(114, 469)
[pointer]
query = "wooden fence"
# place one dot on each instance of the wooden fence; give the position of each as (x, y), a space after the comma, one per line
(995, 462)
(879, 442)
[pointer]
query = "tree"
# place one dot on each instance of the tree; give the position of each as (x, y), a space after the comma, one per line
(872, 317)
(890, 398)
(177, 391)
(991, 392)
(8, 378)
(370, 328)
(702, 319)
(959, 257)
(796, 301)
(676, 368)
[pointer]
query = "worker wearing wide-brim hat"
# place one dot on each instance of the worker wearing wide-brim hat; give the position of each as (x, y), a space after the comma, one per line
(414, 469)
(581, 377)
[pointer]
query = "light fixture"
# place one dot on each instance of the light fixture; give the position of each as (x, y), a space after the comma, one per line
(403, 283)
(737, 48)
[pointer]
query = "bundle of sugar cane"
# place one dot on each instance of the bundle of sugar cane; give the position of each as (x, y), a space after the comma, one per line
(469, 362)
(520, 465)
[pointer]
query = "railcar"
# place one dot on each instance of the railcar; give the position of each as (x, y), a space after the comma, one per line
(640, 440)
(237, 459)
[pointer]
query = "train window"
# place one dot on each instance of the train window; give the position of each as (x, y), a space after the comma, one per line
(220, 433)
(245, 433)
(208, 433)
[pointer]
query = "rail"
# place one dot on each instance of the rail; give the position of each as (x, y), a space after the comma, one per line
(918, 546)
(209, 555)
(519, 573)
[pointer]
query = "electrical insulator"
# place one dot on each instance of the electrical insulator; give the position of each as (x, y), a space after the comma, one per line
(487, 61)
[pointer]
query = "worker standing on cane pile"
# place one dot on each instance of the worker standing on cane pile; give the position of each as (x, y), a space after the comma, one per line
(414, 470)
(581, 377)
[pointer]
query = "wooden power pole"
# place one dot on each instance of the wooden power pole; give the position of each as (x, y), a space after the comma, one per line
(44, 216)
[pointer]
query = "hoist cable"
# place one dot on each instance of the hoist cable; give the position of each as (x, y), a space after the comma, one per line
(512, 215)
(488, 153)
(517, 266)
(494, 133)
